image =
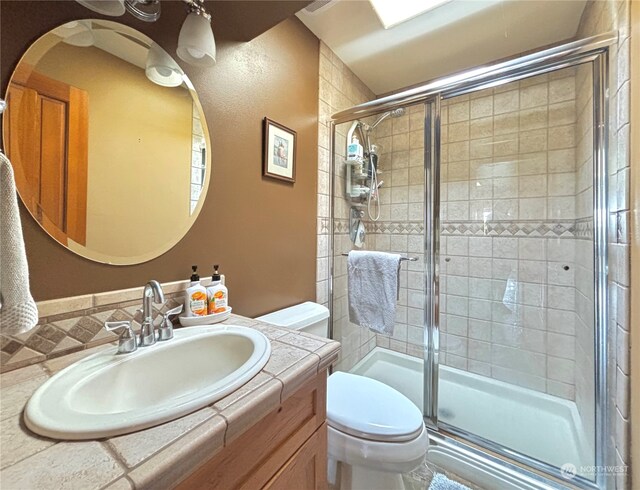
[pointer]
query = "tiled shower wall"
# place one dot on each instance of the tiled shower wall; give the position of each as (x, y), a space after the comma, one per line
(599, 17)
(400, 228)
(496, 147)
(339, 90)
(508, 233)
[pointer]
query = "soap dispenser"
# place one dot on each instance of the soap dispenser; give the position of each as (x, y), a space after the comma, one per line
(195, 301)
(217, 294)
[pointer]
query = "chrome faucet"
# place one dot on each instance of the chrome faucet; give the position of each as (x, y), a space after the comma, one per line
(128, 341)
(152, 294)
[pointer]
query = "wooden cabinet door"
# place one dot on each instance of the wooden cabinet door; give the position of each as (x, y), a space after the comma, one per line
(307, 468)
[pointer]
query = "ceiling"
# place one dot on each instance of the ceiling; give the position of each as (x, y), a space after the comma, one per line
(456, 36)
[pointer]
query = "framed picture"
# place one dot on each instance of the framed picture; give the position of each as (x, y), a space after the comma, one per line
(279, 152)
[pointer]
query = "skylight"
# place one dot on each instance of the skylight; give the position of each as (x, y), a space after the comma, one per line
(394, 12)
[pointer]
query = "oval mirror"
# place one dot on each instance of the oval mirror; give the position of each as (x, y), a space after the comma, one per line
(108, 142)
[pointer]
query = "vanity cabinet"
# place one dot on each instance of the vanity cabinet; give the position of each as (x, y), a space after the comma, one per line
(285, 450)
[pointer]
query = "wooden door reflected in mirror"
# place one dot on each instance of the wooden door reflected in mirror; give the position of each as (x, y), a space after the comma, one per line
(112, 160)
(48, 138)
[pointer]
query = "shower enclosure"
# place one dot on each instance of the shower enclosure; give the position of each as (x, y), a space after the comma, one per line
(494, 182)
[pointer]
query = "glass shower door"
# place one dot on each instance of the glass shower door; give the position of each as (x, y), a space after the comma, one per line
(394, 223)
(516, 353)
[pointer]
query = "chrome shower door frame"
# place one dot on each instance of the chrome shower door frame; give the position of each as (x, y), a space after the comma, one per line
(456, 437)
(594, 50)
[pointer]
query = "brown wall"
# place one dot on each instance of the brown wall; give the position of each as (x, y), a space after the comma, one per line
(261, 231)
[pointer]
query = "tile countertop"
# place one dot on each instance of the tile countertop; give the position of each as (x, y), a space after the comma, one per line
(160, 456)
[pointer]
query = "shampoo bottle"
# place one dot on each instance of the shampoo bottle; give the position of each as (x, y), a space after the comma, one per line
(355, 150)
(217, 294)
(195, 301)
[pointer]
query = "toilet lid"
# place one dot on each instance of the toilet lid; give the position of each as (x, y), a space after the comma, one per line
(369, 409)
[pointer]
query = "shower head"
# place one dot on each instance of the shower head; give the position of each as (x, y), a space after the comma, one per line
(394, 113)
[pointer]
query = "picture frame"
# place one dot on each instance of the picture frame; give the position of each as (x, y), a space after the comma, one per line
(279, 151)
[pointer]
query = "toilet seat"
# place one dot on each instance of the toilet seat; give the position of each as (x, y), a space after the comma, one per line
(368, 409)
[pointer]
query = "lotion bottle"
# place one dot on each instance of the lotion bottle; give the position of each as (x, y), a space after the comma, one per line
(195, 302)
(217, 294)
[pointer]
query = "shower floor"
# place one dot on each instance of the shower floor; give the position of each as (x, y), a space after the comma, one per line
(538, 425)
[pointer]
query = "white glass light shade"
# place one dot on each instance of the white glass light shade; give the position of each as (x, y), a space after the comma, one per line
(196, 44)
(76, 33)
(161, 68)
(114, 8)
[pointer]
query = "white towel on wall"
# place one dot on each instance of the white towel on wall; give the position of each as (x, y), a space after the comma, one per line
(18, 311)
(373, 279)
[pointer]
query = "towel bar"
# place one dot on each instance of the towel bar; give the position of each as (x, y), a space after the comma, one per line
(410, 259)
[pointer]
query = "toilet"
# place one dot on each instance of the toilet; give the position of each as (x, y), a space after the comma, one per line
(375, 433)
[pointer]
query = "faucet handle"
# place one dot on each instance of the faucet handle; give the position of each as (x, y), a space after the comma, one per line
(174, 311)
(127, 339)
(165, 331)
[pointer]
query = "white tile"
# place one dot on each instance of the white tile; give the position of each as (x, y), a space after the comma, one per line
(532, 248)
(562, 184)
(534, 96)
(459, 112)
(532, 186)
(561, 297)
(480, 246)
(505, 209)
(562, 90)
(562, 160)
(481, 107)
(480, 330)
(505, 187)
(560, 369)
(506, 102)
(559, 345)
(562, 137)
(505, 248)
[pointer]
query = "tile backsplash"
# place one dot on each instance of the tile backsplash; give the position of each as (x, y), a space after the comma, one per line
(72, 324)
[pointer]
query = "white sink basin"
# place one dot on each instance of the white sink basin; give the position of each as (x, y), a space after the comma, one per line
(109, 394)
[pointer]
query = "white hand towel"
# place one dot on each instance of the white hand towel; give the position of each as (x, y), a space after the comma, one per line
(373, 289)
(18, 311)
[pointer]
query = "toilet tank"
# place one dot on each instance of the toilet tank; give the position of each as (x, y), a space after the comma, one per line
(308, 317)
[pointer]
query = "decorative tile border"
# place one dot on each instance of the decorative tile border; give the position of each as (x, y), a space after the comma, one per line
(396, 227)
(323, 226)
(340, 225)
(391, 227)
(579, 229)
(532, 229)
(73, 324)
(584, 229)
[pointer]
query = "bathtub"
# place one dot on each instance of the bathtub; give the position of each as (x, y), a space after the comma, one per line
(541, 426)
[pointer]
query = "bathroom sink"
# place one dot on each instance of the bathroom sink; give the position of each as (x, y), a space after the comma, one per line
(109, 394)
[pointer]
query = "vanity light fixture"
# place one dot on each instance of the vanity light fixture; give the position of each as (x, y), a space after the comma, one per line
(196, 44)
(161, 69)
(146, 10)
(78, 33)
(113, 8)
